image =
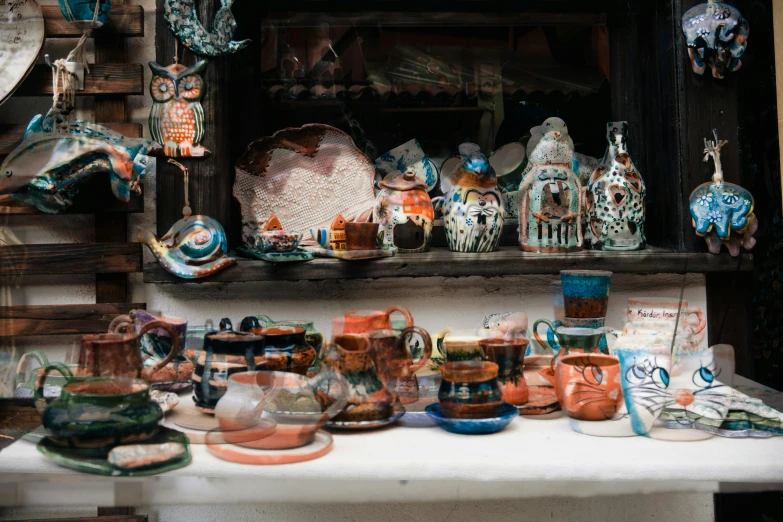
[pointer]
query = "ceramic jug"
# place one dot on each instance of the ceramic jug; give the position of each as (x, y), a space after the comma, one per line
(354, 321)
(394, 360)
(286, 347)
(98, 413)
(369, 399)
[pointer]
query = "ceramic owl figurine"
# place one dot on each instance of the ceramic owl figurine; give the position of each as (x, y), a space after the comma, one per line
(550, 195)
(473, 209)
(177, 117)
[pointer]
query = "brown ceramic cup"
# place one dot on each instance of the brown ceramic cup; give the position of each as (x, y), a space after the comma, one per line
(588, 386)
(361, 236)
(469, 390)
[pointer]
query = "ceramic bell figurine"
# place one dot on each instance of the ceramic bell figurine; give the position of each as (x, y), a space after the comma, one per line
(716, 35)
(472, 208)
(550, 195)
(615, 202)
(404, 213)
(719, 207)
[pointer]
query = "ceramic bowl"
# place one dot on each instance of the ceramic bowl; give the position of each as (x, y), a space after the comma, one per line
(279, 241)
(505, 415)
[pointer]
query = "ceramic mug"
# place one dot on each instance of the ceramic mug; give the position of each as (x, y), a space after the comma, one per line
(463, 345)
(361, 236)
(355, 321)
(588, 386)
(570, 339)
(469, 390)
(394, 361)
(509, 355)
(574, 322)
(645, 313)
(585, 292)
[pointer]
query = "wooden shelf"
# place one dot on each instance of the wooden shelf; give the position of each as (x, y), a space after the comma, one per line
(87, 258)
(124, 20)
(61, 319)
(110, 78)
(507, 261)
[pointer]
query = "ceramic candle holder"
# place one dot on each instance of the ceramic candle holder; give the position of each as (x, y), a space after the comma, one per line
(469, 390)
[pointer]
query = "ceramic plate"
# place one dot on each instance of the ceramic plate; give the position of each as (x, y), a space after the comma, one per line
(79, 460)
(399, 411)
(297, 255)
(504, 417)
(318, 448)
(21, 40)
(354, 255)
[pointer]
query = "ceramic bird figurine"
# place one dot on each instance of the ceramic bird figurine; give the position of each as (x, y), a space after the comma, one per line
(45, 168)
(182, 18)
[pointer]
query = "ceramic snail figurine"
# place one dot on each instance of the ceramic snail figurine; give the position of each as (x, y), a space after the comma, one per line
(719, 207)
(473, 209)
(45, 168)
(615, 202)
(716, 35)
(550, 195)
(182, 18)
(404, 213)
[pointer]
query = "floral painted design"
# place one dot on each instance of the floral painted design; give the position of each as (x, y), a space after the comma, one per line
(182, 19)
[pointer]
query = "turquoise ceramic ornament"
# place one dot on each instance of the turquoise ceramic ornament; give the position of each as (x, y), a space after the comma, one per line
(45, 168)
(82, 12)
(182, 18)
(718, 208)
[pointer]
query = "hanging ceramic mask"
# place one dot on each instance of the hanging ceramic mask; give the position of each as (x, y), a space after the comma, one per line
(719, 207)
(82, 12)
(716, 35)
(45, 168)
(177, 117)
(182, 18)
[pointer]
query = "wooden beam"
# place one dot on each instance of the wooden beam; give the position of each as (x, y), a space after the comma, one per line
(94, 196)
(483, 16)
(116, 78)
(87, 258)
(777, 15)
(124, 20)
(11, 135)
(61, 319)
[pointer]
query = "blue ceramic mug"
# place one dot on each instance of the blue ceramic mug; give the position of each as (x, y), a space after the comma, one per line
(586, 293)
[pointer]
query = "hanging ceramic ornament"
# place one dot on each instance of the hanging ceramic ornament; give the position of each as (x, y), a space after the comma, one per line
(21, 40)
(194, 247)
(182, 18)
(716, 35)
(177, 117)
(83, 13)
(719, 207)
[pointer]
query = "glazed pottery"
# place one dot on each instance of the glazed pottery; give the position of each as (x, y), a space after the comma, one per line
(46, 167)
(394, 362)
(509, 162)
(332, 238)
(293, 402)
(22, 33)
(120, 354)
(312, 336)
(509, 355)
(156, 345)
(472, 209)
(404, 212)
(269, 237)
(194, 340)
(469, 390)
(550, 195)
(510, 325)
(505, 414)
(615, 203)
(586, 293)
(82, 13)
(572, 322)
(359, 321)
(542, 398)
(716, 35)
(286, 347)
(224, 354)
(297, 256)
(398, 411)
(588, 386)
(321, 445)
(26, 383)
(98, 463)
(182, 18)
(354, 255)
(659, 316)
(408, 157)
(463, 345)
(369, 400)
(99, 412)
(570, 340)
(136, 456)
(361, 236)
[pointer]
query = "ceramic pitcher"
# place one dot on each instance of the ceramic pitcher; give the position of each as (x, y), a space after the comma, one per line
(394, 360)
(354, 322)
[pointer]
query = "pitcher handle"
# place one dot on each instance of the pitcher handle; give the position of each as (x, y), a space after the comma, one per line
(340, 402)
(122, 323)
(404, 311)
(544, 343)
(175, 347)
(439, 343)
(414, 367)
(40, 357)
(702, 319)
(38, 393)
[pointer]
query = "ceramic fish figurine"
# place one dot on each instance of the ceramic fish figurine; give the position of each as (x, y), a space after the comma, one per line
(716, 35)
(194, 247)
(182, 18)
(45, 168)
(473, 209)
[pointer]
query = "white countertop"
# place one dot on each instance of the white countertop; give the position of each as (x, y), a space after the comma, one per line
(532, 457)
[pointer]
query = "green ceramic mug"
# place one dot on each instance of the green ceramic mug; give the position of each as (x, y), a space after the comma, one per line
(570, 339)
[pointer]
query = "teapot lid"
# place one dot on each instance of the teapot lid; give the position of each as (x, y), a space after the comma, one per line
(403, 181)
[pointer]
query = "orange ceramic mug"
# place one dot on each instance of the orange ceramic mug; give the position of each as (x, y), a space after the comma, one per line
(354, 322)
(588, 386)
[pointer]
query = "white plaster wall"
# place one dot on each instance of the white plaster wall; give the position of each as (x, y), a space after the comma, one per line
(435, 303)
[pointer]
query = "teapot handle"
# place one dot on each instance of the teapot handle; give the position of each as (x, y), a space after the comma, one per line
(404, 311)
(326, 377)
(175, 346)
(123, 323)
(40, 357)
(38, 394)
(414, 367)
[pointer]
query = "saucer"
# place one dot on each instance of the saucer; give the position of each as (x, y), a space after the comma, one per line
(318, 448)
(196, 425)
(353, 255)
(297, 255)
(504, 417)
(87, 461)
(399, 411)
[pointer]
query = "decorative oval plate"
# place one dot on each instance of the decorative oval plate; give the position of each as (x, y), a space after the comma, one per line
(21, 40)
